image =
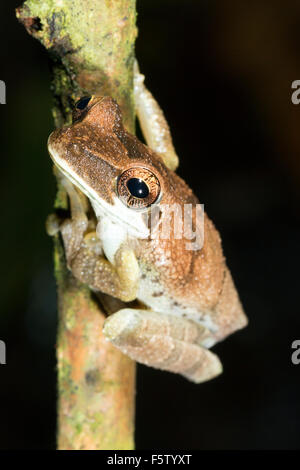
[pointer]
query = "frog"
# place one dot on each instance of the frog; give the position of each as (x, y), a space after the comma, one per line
(172, 303)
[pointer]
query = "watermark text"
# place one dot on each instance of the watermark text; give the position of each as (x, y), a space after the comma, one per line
(2, 352)
(2, 92)
(296, 354)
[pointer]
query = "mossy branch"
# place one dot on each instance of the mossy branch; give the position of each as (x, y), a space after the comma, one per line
(91, 47)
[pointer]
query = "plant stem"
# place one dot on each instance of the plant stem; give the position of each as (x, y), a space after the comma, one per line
(91, 47)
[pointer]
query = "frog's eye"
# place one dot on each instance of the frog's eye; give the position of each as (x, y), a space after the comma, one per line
(83, 102)
(138, 187)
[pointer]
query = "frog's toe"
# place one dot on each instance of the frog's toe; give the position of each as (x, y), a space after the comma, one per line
(52, 224)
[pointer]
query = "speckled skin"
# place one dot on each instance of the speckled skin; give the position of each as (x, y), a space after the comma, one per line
(182, 287)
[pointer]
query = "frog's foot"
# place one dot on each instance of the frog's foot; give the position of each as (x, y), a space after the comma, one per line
(53, 224)
(164, 342)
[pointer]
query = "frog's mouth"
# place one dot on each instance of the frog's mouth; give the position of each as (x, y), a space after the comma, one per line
(134, 221)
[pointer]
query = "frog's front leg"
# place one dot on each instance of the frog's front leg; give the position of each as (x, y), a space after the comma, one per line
(164, 342)
(153, 122)
(84, 252)
(120, 280)
(72, 229)
(90, 266)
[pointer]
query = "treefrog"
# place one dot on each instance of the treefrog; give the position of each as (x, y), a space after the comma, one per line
(177, 302)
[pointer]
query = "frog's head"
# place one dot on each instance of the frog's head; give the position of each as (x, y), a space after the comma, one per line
(121, 176)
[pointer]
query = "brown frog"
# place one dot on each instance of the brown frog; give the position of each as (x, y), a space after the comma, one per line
(138, 250)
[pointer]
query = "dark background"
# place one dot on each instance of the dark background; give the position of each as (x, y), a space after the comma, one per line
(222, 72)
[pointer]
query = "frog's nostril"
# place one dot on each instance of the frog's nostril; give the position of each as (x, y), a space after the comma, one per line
(83, 102)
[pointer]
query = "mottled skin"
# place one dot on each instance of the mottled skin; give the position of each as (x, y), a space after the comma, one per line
(187, 299)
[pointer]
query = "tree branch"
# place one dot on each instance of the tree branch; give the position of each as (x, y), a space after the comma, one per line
(91, 46)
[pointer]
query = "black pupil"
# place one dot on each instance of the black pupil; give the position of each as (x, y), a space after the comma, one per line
(137, 188)
(83, 102)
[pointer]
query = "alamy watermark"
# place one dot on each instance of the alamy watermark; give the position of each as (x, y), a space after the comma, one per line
(296, 354)
(172, 221)
(2, 92)
(163, 222)
(2, 352)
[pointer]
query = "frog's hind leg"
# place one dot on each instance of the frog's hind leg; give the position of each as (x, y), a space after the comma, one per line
(164, 342)
(153, 122)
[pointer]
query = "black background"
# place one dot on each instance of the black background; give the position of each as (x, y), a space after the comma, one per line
(222, 72)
